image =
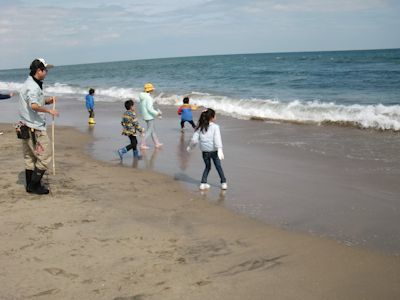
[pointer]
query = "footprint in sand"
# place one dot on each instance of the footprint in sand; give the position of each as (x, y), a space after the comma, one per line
(45, 293)
(46, 229)
(202, 282)
(136, 297)
(205, 250)
(252, 265)
(60, 272)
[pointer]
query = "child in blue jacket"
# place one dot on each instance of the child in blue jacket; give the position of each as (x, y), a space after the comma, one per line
(90, 105)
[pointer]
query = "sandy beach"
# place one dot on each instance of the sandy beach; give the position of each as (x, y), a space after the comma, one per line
(329, 181)
(307, 107)
(111, 232)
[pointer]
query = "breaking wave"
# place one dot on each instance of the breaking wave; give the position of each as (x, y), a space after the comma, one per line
(378, 116)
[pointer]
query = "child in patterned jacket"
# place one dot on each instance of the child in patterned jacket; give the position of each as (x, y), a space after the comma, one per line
(130, 128)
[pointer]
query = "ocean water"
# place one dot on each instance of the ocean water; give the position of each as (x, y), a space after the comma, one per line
(353, 88)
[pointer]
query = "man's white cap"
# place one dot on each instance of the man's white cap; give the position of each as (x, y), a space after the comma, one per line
(38, 63)
(47, 66)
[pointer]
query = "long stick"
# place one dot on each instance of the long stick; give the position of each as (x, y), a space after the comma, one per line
(52, 139)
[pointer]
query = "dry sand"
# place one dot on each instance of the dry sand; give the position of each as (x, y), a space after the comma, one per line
(111, 232)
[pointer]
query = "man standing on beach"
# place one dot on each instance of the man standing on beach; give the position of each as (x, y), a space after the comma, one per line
(36, 147)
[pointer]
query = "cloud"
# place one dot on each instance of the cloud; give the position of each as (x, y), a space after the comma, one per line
(111, 28)
(106, 37)
(259, 6)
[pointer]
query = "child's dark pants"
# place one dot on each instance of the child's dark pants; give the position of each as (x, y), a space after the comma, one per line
(191, 123)
(207, 156)
(133, 143)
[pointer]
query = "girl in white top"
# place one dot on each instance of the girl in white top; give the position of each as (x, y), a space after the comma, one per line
(208, 135)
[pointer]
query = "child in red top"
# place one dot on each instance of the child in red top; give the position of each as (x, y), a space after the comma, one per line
(185, 111)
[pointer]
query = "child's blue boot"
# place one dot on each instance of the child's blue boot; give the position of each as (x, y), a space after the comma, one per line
(136, 154)
(121, 152)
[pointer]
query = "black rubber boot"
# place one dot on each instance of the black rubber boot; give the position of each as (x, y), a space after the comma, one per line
(28, 177)
(35, 187)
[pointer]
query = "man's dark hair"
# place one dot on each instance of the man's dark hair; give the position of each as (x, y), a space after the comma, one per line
(91, 91)
(186, 100)
(128, 104)
(35, 65)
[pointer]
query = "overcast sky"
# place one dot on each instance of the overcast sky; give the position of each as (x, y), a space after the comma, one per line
(73, 32)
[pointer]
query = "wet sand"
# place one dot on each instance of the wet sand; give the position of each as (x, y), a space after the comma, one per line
(335, 182)
(113, 232)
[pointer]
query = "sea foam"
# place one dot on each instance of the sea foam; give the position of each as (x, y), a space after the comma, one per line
(379, 116)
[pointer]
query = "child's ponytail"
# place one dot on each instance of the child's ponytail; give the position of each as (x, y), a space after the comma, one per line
(204, 120)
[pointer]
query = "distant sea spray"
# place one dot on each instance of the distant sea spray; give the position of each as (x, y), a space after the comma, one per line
(353, 88)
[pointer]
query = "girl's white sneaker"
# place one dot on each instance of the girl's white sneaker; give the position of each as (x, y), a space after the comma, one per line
(204, 186)
(224, 186)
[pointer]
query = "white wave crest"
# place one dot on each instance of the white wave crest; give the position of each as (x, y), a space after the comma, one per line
(379, 116)
(10, 86)
(111, 94)
(364, 116)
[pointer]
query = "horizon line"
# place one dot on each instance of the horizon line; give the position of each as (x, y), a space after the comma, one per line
(206, 55)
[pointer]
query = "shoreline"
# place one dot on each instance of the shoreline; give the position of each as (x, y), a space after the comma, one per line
(327, 181)
(102, 233)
